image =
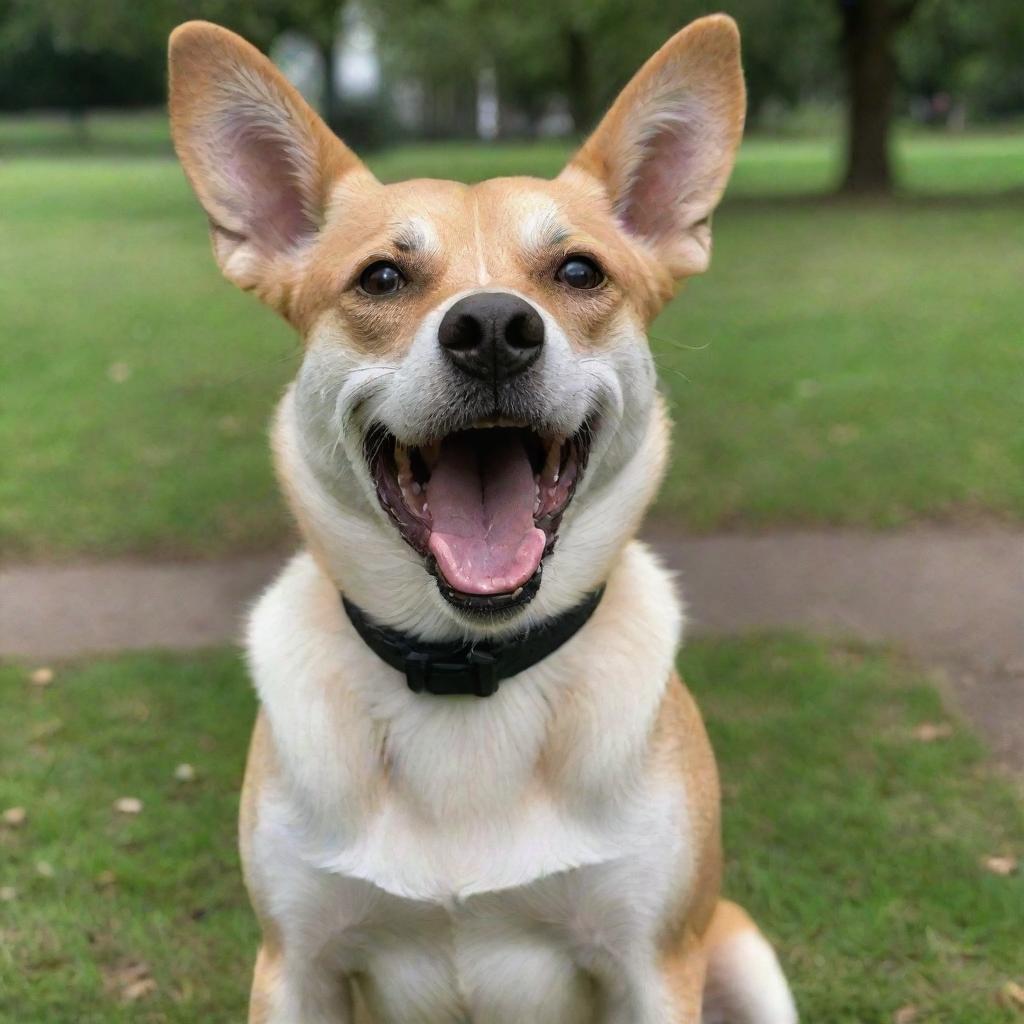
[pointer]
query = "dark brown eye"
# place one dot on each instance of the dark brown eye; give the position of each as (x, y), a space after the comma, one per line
(580, 272)
(381, 278)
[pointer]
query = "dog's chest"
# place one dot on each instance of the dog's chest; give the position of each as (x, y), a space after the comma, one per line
(535, 953)
(503, 918)
(491, 958)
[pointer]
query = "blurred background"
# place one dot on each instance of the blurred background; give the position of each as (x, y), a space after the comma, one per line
(844, 502)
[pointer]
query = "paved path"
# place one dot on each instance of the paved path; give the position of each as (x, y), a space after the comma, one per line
(953, 599)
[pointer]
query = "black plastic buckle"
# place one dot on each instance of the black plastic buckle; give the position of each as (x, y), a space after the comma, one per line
(476, 677)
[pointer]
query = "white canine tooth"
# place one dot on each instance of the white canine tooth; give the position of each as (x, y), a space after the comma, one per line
(416, 487)
(402, 462)
(552, 462)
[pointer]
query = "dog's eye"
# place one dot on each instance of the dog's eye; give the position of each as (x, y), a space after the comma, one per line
(580, 272)
(381, 278)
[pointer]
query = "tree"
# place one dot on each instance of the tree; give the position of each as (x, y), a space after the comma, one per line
(113, 52)
(320, 21)
(869, 29)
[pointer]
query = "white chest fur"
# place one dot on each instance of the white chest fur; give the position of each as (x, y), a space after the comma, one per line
(464, 857)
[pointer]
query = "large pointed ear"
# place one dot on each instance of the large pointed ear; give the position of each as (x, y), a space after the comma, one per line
(665, 149)
(261, 162)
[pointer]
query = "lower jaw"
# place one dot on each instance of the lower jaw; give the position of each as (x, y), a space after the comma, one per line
(486, 606)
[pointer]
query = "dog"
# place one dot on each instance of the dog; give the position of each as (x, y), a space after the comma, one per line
(476, 789)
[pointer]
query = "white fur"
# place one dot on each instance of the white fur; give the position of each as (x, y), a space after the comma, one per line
(411, 843)
(745, 984)
(408, 841)
(414, 844)
(540, 222)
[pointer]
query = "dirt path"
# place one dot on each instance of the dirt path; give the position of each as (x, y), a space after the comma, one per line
(953, 599)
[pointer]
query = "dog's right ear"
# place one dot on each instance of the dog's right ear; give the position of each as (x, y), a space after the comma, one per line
(258, 157)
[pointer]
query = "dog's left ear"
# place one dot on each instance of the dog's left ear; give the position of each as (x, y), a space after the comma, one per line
(260, 160)
(665, 149)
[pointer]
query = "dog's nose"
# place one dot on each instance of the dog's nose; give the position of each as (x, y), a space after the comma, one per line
(492, 335)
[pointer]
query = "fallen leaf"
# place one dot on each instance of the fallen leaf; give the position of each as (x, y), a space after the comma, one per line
(128, 805)
(929, 732)
(129, 980)
(185, 773)
(906, 1014)
(41, 676)
(138, 990)
(8, 893)
(119, 372)
(44, 869)
(1000, 864)
(106, 879)
(14, 817)
(1012, 995)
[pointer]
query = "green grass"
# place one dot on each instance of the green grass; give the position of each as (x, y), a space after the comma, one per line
(121, 132)
(856, 845)
(841, 364)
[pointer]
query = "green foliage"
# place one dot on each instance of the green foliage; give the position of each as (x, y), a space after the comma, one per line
(968, 50)
(588, 51)
(856, 846)
(64, 53)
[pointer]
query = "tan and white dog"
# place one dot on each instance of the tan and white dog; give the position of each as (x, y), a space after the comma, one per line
(476, 403)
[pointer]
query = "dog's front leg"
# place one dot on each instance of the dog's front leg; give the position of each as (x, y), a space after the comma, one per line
(286, 992)
(666, 989)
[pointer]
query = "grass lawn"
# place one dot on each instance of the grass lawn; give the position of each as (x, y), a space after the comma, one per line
(856, 844)
(851, 364)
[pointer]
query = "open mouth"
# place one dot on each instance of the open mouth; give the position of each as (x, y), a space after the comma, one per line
(483, 505)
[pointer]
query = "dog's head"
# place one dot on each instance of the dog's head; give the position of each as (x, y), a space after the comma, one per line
(477, 400)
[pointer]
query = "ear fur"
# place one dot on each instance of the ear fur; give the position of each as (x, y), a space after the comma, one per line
(665, 149)
(261, 162)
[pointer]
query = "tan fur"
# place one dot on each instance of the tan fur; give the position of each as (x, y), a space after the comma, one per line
(504, 234)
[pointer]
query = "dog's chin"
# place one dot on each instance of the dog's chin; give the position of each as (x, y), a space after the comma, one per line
(481, 505)
(492, 609)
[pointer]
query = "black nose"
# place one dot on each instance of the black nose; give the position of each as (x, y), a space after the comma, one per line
(492, 335)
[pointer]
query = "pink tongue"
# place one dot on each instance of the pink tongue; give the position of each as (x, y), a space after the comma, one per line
(481, 495)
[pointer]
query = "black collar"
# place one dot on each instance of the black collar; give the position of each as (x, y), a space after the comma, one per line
(465, 669)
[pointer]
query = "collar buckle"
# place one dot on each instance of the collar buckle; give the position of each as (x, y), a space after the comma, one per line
(477, 676)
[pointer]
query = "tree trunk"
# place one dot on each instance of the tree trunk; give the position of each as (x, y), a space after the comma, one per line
(329, 101)
(869, 28)
(579, 80)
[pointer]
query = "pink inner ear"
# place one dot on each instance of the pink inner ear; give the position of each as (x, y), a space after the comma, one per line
(653, 198)
(266, 193)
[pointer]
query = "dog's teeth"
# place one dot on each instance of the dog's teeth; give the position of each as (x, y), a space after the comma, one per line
(402, 463)
(552, 462)
(416, 488)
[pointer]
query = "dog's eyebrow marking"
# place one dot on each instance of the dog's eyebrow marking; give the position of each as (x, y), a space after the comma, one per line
(416, 235)
(541, 228)
(483, 277)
